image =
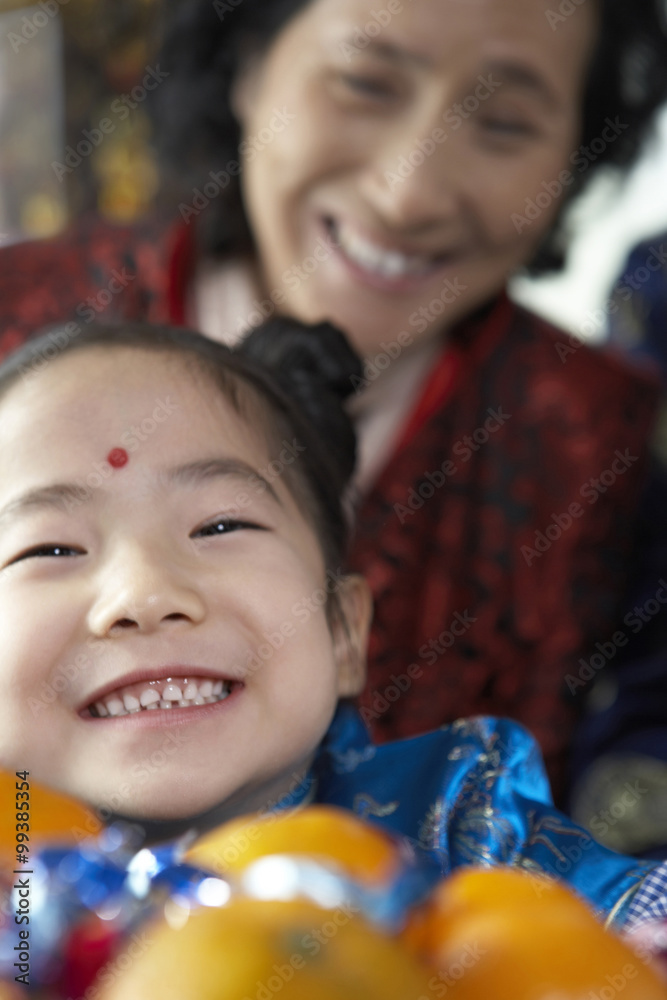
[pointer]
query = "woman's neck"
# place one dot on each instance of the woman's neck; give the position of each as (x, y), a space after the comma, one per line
(383, 405)
(226, 300)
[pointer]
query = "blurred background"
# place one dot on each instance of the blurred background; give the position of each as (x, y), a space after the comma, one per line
(66, 66)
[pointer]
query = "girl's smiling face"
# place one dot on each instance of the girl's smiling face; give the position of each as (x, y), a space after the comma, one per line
(388, 149)
(183, 569)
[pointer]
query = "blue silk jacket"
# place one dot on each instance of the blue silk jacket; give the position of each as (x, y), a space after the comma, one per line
(475, 793)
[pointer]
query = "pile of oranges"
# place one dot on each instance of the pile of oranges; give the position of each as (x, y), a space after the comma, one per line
(483, 933)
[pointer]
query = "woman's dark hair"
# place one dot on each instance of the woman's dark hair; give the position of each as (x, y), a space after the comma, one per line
(298, 378)
(205, 42)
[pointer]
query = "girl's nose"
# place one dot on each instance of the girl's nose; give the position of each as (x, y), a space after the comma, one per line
(143, 592)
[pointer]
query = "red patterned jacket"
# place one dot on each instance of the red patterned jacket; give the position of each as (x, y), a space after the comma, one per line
(496, 539)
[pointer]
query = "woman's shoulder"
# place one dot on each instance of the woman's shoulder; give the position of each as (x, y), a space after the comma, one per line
(571, 358)
(93, 269)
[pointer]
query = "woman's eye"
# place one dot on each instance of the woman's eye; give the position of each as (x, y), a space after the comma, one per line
(504, 127)
(46, 552)
(368, 86)
(224, 525)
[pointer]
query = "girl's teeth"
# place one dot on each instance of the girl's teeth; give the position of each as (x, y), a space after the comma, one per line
(149, 698)
(172, 692)
(163, 694)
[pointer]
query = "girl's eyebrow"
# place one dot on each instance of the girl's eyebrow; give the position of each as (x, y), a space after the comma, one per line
(194, 473)
(59, 495)
(69, 496)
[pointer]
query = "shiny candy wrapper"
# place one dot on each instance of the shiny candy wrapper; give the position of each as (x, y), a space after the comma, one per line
(88, 902)
(106, 878)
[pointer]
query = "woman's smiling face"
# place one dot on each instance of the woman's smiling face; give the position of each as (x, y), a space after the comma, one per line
(404, 139)
(181, 577)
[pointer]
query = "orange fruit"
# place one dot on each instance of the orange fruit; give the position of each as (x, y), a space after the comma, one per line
(9, 991)
(252, 950)
(510, 935)
(51, 817)
(324, 833)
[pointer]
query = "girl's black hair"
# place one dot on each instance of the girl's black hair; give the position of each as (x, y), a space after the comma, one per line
(298, 376)
(205, 42)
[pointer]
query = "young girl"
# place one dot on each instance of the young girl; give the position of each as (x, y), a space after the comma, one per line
(172, 589)
(388, 167)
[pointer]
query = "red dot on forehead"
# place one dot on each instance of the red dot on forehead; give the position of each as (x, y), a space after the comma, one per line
(117, 458)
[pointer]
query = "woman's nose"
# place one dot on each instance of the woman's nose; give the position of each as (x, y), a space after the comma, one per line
(142, 591)
(412, 181)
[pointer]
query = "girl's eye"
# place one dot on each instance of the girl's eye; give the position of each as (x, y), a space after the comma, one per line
(47, 551)
(224, 525)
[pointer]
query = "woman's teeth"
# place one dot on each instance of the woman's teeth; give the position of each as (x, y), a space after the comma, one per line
(165, 694)
(386, 263)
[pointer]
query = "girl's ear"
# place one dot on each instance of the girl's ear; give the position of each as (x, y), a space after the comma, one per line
(350, 634)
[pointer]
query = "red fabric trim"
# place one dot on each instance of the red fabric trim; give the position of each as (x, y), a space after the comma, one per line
(448, 371)
(180, 271)
(437, 389)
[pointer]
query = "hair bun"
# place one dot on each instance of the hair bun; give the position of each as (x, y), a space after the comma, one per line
(315, 366)
(305, 357)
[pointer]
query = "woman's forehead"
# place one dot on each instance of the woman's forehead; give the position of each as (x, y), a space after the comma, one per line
(436, 28)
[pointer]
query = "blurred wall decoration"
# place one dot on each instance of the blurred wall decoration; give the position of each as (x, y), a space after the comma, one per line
(74, 133)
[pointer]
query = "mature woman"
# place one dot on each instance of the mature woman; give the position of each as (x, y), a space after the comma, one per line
(389, 169)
